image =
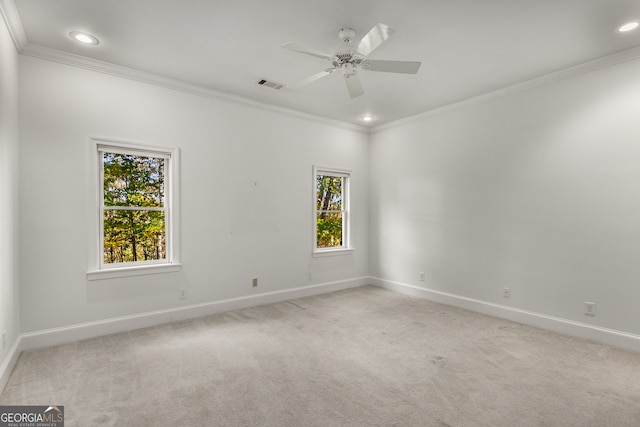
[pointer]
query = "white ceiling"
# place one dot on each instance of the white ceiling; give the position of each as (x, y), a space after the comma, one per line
(467, 47)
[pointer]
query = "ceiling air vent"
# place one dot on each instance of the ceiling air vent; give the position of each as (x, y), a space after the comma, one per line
(272, 85)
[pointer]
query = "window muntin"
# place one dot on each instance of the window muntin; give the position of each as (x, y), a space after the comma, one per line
(331, 209)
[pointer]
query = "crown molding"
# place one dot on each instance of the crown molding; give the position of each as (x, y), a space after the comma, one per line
(547, 79)
(14, 24)
(67, 58)
(12, 19)
(10, 15)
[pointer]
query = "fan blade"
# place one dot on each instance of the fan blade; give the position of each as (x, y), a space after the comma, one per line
(405, 67)
(353, 85)
(312, 78)
(374, 38)
(307, 51)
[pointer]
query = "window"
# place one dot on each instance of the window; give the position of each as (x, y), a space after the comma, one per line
(331, 205)
(137, 209)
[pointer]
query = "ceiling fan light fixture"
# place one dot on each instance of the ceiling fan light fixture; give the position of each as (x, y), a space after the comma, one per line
(628, 26)
(348, 69)
(349, 59)
(84, 38)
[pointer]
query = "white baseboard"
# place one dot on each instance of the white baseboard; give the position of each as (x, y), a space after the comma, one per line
(606, 336)
(66, 334)
(56, 336)
(8, 363)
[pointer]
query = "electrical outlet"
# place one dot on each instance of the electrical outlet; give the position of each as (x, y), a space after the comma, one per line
(421, 276)
(589, 308)
(183, 293)
(506, 293)
(254, 282)
(309, 275)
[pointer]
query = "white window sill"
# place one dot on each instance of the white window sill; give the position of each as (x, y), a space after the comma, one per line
(333, 252)
(138, 270)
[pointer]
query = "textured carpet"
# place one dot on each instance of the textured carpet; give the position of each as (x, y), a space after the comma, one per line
(360, 357)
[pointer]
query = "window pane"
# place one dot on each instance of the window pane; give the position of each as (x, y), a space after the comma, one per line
(132, 235)
(131, 180)
(329, 228)
(328, 193)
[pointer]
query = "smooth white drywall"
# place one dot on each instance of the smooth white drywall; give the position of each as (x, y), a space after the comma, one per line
(538, 191)
(246, 194)
(9, 290)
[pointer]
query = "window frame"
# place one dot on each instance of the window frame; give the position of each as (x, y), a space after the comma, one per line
(346, 246)
(98, 269)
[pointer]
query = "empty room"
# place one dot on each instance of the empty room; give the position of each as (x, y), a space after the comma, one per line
(336, 213)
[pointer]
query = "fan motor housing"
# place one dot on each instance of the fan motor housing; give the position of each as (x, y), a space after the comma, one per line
(346, 55)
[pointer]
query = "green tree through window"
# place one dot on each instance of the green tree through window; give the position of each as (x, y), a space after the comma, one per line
(331, 209)
(134, 214)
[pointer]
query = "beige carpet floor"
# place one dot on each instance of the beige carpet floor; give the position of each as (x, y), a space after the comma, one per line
(360, 357)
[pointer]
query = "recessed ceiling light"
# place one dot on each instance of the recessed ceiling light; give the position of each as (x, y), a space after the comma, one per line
(84, 38)
(367, 118)
(629, 26)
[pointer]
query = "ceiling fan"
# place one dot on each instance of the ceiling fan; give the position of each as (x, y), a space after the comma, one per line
(349, 59)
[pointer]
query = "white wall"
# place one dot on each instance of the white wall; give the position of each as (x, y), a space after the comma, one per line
(226, 148)
(9, 291)
(538, 191)
(535, 191)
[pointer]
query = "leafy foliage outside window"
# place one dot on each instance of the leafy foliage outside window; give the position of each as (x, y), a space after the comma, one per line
(134, 215)
(329, 211)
